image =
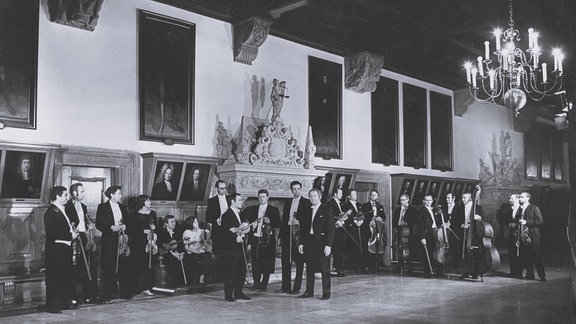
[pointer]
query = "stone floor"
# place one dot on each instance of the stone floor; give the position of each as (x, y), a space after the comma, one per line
(382, 298)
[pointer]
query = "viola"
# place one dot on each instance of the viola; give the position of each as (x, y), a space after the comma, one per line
(377, 242)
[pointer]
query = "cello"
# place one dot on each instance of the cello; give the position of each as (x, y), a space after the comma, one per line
(441, 253)
(377, 241)
(478, 250)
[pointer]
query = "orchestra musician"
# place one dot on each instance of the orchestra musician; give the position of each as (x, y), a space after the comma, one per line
(530, 252)
(232, 245)
(172, 248)
(196, 244)
(109, 218)
(404, 221)
(462, 218)
(294, 208)
(511, 218)
(335, 206)
(217, 206)
(316, 239)
(428, 223)
(359, 232)
(139, 224)
(59, 237)
(262, 238)
(374, 260)
(455, 243)
(78, 214)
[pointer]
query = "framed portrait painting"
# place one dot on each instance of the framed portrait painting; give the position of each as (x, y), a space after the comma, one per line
(18, 62)
(406, 189)
(342, 181)
(166, 78)
(325, 107)
(23, 174)
(196, 181)
(166, 181)
(420, 192)
(323, 183)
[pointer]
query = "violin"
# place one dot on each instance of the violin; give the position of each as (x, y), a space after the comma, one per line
(173, 244)
(123, 248)
(377, 242)
(206, 240)
(243, 228)
(90, 242)
(151, 247)
(343, 216)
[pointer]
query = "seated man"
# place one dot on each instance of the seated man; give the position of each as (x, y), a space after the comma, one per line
(170, 242)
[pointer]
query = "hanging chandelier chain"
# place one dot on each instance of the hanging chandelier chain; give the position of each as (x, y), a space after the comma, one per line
(510, 15)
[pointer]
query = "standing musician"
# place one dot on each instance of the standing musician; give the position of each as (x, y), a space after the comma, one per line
(217, 206)
(78, 214)
(378, 216)
(170, 242)
(141, 228)
(468, 256)
(109, 216)
(262, 238)
(316, 239)
(289, 239)
(59, 237)
(335, 206)
(233, 252)
(404, 221)
(511, 217)
(359, 232)
(427, 225)
(455, 242)
(530, 251)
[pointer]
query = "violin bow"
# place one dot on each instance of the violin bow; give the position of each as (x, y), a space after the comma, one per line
(79, 239)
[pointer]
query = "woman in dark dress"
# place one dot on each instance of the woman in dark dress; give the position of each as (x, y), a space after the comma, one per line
(142, 239)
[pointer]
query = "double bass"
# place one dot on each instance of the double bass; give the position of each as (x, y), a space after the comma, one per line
(478, 252)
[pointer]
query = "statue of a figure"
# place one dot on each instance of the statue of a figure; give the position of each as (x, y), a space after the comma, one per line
(277, 97)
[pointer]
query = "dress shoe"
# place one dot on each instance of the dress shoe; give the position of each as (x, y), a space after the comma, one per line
(243, 297)
(54, 311)
(543, 279)
(92, 301)
(282, 291)
(229, 299)
(306, 295)
(294, 292)
(325, 296)
(464, 276)
(147, 293)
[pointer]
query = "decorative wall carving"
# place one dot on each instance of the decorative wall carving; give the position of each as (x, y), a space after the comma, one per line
(81, 14)
(502, 169)
(310, 151)
(249, 35)
(223, 144)
(362, 71)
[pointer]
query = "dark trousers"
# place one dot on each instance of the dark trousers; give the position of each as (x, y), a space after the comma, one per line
(297, 258)
(513, 257)
(194, 263)
(114, 283)
(316, 260)
(174, 270)
(233, 271)
(530, 258)
(88, 288)
(359, 255)
(338, 249)
(59, 273)
(263, 263)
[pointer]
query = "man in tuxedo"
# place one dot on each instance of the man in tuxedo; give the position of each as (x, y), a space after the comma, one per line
(316, 239)
(262, 238)
(217, 206)
(511, 218)
(232, 245)
(294, 208)
(463, 216)
(109, 221)
(359, 232)
(170, 241)
(530, 252)
(404, 221)
(59, 237)
(378, 216)
(428, 223)
(78, 214)
(335, 207)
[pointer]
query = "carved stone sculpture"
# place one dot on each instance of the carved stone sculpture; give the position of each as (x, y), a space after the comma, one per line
(277, 96)
(81, 14)
(310, 151)
(223, 144)
(249, 35)
(363, 71)
(276, 146)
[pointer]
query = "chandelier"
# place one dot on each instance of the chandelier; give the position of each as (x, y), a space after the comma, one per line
(514, 74)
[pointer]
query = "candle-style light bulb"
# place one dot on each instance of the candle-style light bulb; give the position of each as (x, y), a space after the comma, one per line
(497, 33)
(480, 67)
(530, 37)
(487, 50)
(468, 67)
(544, 72)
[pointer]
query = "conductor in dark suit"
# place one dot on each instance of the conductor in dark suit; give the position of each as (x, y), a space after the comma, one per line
(232, 246)
(78, 214)
(404, 221)
(294, 208)
(262, 238)
(59, 237)
(109, 221)
(316, 238)
(530, 253)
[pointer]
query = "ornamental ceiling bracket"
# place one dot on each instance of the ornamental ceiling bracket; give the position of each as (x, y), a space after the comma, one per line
(362, 71)
(249, 35)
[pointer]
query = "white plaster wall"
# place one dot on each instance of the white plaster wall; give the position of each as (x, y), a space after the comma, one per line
(88, 92)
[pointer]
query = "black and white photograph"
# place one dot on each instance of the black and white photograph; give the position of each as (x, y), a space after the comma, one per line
(188, 160)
